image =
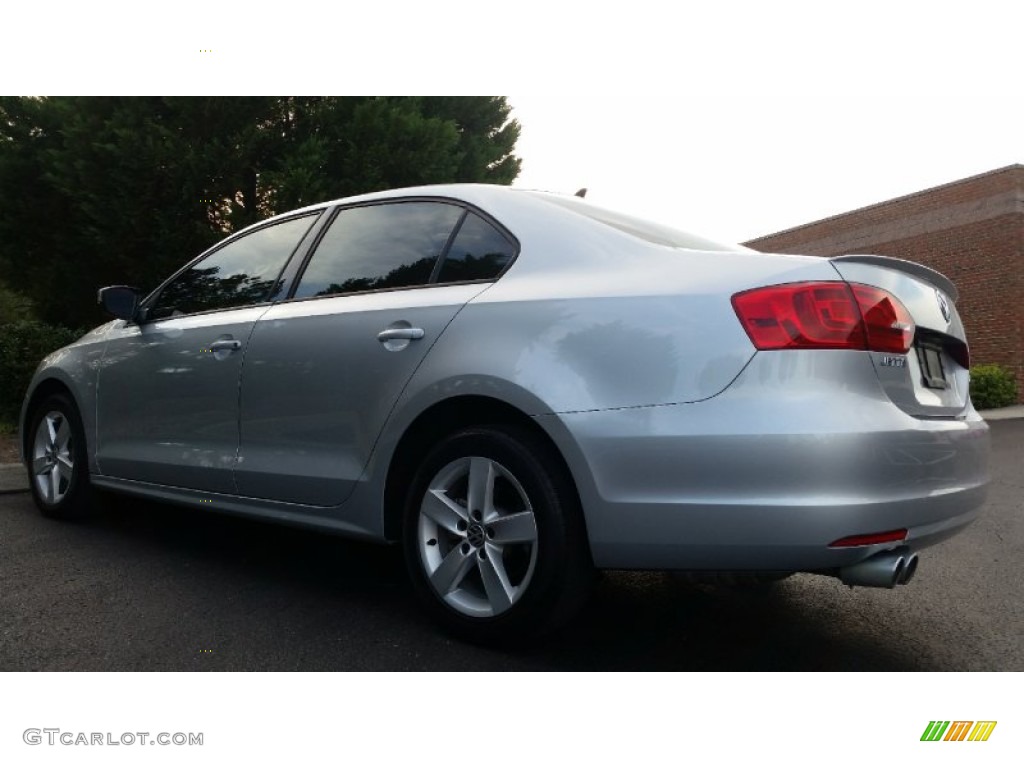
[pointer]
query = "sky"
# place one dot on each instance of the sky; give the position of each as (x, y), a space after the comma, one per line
(774, 122)
(732, 119)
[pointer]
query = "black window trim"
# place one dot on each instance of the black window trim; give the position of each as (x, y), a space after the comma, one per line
(432, 282)
(300, 250)
(443, 256)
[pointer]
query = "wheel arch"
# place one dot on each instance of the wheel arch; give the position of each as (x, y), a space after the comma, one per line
(445, 418)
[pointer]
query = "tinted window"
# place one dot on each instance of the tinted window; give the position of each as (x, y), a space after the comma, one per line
(379, 246)
(479, 252)
(240, 273)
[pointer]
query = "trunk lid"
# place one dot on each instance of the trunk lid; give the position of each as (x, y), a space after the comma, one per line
(932, 379)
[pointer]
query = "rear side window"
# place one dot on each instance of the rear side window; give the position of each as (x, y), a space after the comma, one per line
(240, 273)
(376, 247)
(479, 252)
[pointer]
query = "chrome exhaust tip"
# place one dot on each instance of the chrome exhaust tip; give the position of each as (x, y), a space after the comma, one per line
(909, 569)
(885, 570)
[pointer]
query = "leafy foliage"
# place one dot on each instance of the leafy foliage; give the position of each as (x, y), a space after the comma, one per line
(992, 386)
(22, 345)
(13, 306)
(110, 190)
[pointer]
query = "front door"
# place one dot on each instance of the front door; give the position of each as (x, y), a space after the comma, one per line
(167, 403)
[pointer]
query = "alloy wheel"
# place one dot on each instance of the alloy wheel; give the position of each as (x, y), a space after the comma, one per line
(53, 463)
(477, 537)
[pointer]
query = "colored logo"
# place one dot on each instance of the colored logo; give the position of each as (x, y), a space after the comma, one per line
(959, 730)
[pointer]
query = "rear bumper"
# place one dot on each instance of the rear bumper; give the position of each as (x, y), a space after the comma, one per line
(770, 472)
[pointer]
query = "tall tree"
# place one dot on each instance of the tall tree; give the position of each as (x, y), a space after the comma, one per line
(124, 190)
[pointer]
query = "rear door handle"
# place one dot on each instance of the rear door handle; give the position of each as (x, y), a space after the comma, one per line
(225, 345)
(400, 333)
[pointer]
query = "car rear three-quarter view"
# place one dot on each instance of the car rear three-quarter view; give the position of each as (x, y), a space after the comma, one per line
(521, 388)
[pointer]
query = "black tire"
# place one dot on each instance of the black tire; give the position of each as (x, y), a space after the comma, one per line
(546, 580)
(69, 494)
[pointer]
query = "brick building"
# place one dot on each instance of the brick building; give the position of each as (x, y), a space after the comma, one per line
(971, 230)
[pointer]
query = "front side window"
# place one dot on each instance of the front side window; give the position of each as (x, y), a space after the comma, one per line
(243, 272)
(376, 247)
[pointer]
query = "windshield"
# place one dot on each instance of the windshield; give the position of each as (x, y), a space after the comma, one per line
(650, 231)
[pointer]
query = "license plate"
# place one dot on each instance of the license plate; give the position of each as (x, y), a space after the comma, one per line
(929, 358)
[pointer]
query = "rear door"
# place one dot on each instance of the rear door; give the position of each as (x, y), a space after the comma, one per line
(932, 379)
(323, 370)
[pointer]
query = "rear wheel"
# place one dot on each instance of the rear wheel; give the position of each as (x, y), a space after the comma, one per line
(57, 464)
(494, 539)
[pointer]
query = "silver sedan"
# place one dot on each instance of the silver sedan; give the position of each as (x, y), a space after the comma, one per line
(521, 388)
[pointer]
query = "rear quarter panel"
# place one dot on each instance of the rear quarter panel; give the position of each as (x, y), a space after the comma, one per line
(649, 326)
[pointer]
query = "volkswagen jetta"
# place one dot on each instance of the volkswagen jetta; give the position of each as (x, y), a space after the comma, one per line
(521, 388)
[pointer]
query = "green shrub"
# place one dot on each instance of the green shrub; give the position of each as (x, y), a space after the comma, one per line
(992, 386)
(22, 345)
(13, 306)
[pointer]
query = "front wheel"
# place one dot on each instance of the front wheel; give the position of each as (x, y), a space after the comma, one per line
(57, 463)
(494, 538)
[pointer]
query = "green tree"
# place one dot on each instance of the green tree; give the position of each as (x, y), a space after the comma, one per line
(13, 307)
(110, 190)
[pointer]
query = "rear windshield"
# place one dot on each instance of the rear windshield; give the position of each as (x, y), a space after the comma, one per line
(650, 231)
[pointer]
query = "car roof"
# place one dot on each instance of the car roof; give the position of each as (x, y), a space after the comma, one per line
(503, 201)
(479, 194)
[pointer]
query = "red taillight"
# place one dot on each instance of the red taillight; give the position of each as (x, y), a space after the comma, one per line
(827, 315)
(871, 538)
(887, 322)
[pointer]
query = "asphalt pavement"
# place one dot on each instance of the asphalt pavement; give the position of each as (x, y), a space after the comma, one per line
(143, 586)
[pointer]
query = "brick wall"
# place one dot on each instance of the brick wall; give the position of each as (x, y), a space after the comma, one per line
(971, 230)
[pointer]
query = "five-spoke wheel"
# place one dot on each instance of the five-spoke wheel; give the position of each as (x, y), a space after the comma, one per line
(57, 464)
(53, 463)
(494, 537)
(477, 536)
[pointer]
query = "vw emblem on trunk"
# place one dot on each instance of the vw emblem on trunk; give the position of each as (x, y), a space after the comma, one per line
(943, 304)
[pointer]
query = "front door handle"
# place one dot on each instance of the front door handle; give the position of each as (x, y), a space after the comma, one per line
(391, 334)
(226, 345)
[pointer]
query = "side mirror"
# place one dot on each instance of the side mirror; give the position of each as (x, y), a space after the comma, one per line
(122, 301)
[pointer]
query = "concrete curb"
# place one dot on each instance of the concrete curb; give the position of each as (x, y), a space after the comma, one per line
(13, 478)
(997, 414)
